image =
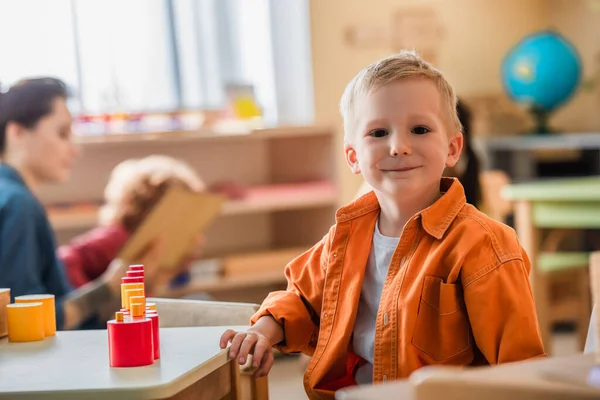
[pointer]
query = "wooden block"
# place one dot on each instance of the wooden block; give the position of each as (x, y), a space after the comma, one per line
(4, 301)
(251, 263)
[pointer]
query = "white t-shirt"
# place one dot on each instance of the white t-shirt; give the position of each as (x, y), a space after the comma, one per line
(382, 250)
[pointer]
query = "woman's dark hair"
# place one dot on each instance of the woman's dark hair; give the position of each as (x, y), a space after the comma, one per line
(470, 176)
(28, 101)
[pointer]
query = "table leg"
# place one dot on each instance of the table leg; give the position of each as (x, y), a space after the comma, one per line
(529, 237)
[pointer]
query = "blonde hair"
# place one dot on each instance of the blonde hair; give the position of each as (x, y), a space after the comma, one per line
(136, 185)
(402, 65)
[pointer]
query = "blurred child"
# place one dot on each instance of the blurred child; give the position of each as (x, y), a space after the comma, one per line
(134, 187)
(410, 274)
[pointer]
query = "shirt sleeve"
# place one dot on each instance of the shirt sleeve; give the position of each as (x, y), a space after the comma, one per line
(88, 256)
(298, 308)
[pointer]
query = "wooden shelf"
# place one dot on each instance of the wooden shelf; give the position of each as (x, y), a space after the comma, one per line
(229, 283)
(73, 218)
(202, 135)
(296, 196)
(259, 199)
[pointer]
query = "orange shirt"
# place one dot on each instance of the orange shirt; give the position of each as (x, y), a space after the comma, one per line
(457, 292)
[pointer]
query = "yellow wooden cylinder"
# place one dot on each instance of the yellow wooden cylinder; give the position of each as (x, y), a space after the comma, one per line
(137, 309)
(132, 292)
(25, 322)
(48, 309)
(128, 286)
(4, 301)
(137, 299)
(151, 306)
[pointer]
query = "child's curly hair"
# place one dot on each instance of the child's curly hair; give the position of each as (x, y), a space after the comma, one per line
(136, 185)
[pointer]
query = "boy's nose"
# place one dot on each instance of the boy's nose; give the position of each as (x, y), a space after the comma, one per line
(400, 145)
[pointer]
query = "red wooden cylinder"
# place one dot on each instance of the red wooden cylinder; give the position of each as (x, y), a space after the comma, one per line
(136, 267)
(130, 343)
(135, 274)
(153, 315)
(136, 279)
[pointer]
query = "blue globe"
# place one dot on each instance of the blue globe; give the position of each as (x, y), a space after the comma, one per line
(542, 72)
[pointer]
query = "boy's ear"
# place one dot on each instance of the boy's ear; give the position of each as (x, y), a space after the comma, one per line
(455, 146)
(351, 158)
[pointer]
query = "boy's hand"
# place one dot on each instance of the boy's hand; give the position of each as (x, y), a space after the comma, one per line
(250, 342)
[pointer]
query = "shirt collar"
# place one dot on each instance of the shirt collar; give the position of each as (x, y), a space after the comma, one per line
(435, 219)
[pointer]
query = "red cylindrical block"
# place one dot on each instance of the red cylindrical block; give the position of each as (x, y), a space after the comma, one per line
(155, 332)
(130, 343)
(136, 267)
(135, 274)
(136, 279)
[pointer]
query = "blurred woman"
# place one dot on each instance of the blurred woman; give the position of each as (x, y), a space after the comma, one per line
(36, 149)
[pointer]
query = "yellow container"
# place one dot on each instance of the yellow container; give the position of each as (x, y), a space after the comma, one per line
(48, 309)
(128, 286)
(25, 322)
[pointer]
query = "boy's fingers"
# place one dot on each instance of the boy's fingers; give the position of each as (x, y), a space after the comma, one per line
(226, 337)
(246, 348)
(265, 365)
(259, 350)
(235, 344)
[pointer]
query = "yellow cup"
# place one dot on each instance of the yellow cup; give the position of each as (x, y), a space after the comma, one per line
(25, 322)
(48, 310)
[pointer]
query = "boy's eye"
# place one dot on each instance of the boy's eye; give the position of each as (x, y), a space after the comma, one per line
(420, 130)
(378, 133)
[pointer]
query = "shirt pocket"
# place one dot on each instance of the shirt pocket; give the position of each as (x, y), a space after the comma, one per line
(442, 329)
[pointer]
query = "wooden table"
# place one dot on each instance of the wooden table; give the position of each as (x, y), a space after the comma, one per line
(556, 203)
(75, 365)
(557, 378)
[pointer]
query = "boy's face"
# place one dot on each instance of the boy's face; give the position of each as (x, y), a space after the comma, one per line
(400, 142)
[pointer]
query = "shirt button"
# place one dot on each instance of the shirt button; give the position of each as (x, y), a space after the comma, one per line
(385, 318)
(335, 254)
(385, 378)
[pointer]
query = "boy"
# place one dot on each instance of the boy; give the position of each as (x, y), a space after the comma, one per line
(410, 275)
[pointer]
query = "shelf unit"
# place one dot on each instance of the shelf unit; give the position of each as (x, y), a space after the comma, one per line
(290, 202)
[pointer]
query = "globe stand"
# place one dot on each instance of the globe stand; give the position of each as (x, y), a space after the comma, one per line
(541, 117)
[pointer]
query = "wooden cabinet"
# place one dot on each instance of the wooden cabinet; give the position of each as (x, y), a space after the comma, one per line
(289, 175)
